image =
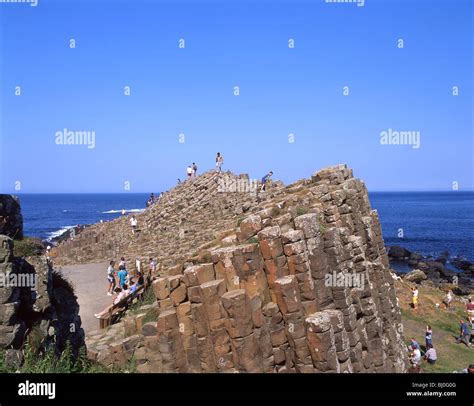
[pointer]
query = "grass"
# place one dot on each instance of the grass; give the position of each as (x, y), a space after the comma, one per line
(445, 324)
(27, 247)
(301, 210)
(35, 363)
(252, 240)
(275, 212)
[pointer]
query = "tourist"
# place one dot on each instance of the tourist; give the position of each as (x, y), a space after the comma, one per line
(122, 263)
(448, 299)
(470, 311)
(219, 162)
(124, 212)
(179, 181)
(111, 278)
(430, 355)
(428, 337)
(414, 344)
(265, 179)
(133, 287)
(133, 223)
(195, 169)
(122, 276)
(465, 334)
(414, 297)
(121, 294)
(468, 370)
(140, 279)
(415, 356)
(189, 172)
(152, 267)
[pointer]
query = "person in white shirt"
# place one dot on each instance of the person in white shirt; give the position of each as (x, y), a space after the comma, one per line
(189, 171)
(133, 223)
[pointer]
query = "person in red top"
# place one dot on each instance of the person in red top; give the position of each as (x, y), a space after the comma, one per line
(470, 305)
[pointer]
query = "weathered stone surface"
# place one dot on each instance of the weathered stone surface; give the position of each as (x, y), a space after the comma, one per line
(11, 219)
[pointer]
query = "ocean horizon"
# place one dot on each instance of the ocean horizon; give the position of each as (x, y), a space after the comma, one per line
(429, 223)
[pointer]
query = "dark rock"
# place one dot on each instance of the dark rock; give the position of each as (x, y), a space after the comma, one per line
(11, 219)
(13, 358)
(397, 252)
(461, 264)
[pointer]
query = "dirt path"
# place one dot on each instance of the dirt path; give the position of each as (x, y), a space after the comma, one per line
(90, 286)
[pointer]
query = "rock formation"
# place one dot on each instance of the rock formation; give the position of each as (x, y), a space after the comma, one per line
(295, 279)
(11, 219)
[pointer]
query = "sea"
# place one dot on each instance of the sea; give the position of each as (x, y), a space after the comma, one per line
(429, 223)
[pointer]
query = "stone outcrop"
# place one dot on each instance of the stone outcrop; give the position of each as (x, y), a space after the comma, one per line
(11, 219)
(300, 283)
(35, 298)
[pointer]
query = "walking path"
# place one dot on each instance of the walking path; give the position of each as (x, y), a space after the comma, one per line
(90, 287)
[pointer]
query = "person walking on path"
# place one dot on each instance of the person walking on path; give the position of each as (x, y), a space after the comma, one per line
(267, 178)
(133, 224)
(111, 278)
(219, 162)
(465, 334)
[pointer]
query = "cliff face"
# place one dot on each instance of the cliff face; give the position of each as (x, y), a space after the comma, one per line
(11, 219)
(301, 282)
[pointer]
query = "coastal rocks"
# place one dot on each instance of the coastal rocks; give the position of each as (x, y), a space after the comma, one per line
(437, 271)
(11, 219)
(416, 276)
(304, 286)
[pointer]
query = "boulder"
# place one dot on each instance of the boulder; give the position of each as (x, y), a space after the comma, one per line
(415, 276)
(398, 253)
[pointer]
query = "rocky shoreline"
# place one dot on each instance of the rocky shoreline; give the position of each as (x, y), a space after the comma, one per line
(441, 270)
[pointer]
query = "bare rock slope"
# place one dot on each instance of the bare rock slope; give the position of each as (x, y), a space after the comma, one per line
(295, 279)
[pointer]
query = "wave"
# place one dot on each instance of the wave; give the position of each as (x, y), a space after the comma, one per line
(57, 233)
(120, 211)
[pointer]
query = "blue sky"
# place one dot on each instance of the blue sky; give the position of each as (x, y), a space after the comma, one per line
(190, 91)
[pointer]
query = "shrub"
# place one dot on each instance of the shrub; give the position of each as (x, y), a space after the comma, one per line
(252, 240)
(276, 212)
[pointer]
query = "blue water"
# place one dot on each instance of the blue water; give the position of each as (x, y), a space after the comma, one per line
(432, 222)
(48, 215)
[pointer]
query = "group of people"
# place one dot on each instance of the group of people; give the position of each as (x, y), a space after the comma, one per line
(191, 170)
(416, 355)
(153, 199)
(120, 281)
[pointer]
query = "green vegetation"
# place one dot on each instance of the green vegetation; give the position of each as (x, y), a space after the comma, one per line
(445, 324)
(27, 247)
(147, 298)
(35, 363)
(239, 221)
(252, 240)
(204, 257)
(300, 211)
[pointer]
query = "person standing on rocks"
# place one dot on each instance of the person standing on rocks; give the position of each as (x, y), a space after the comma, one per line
(111, 278)
(267, 178)
(189, 172)
(219, 162)
(134, 224)
(195, 169)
